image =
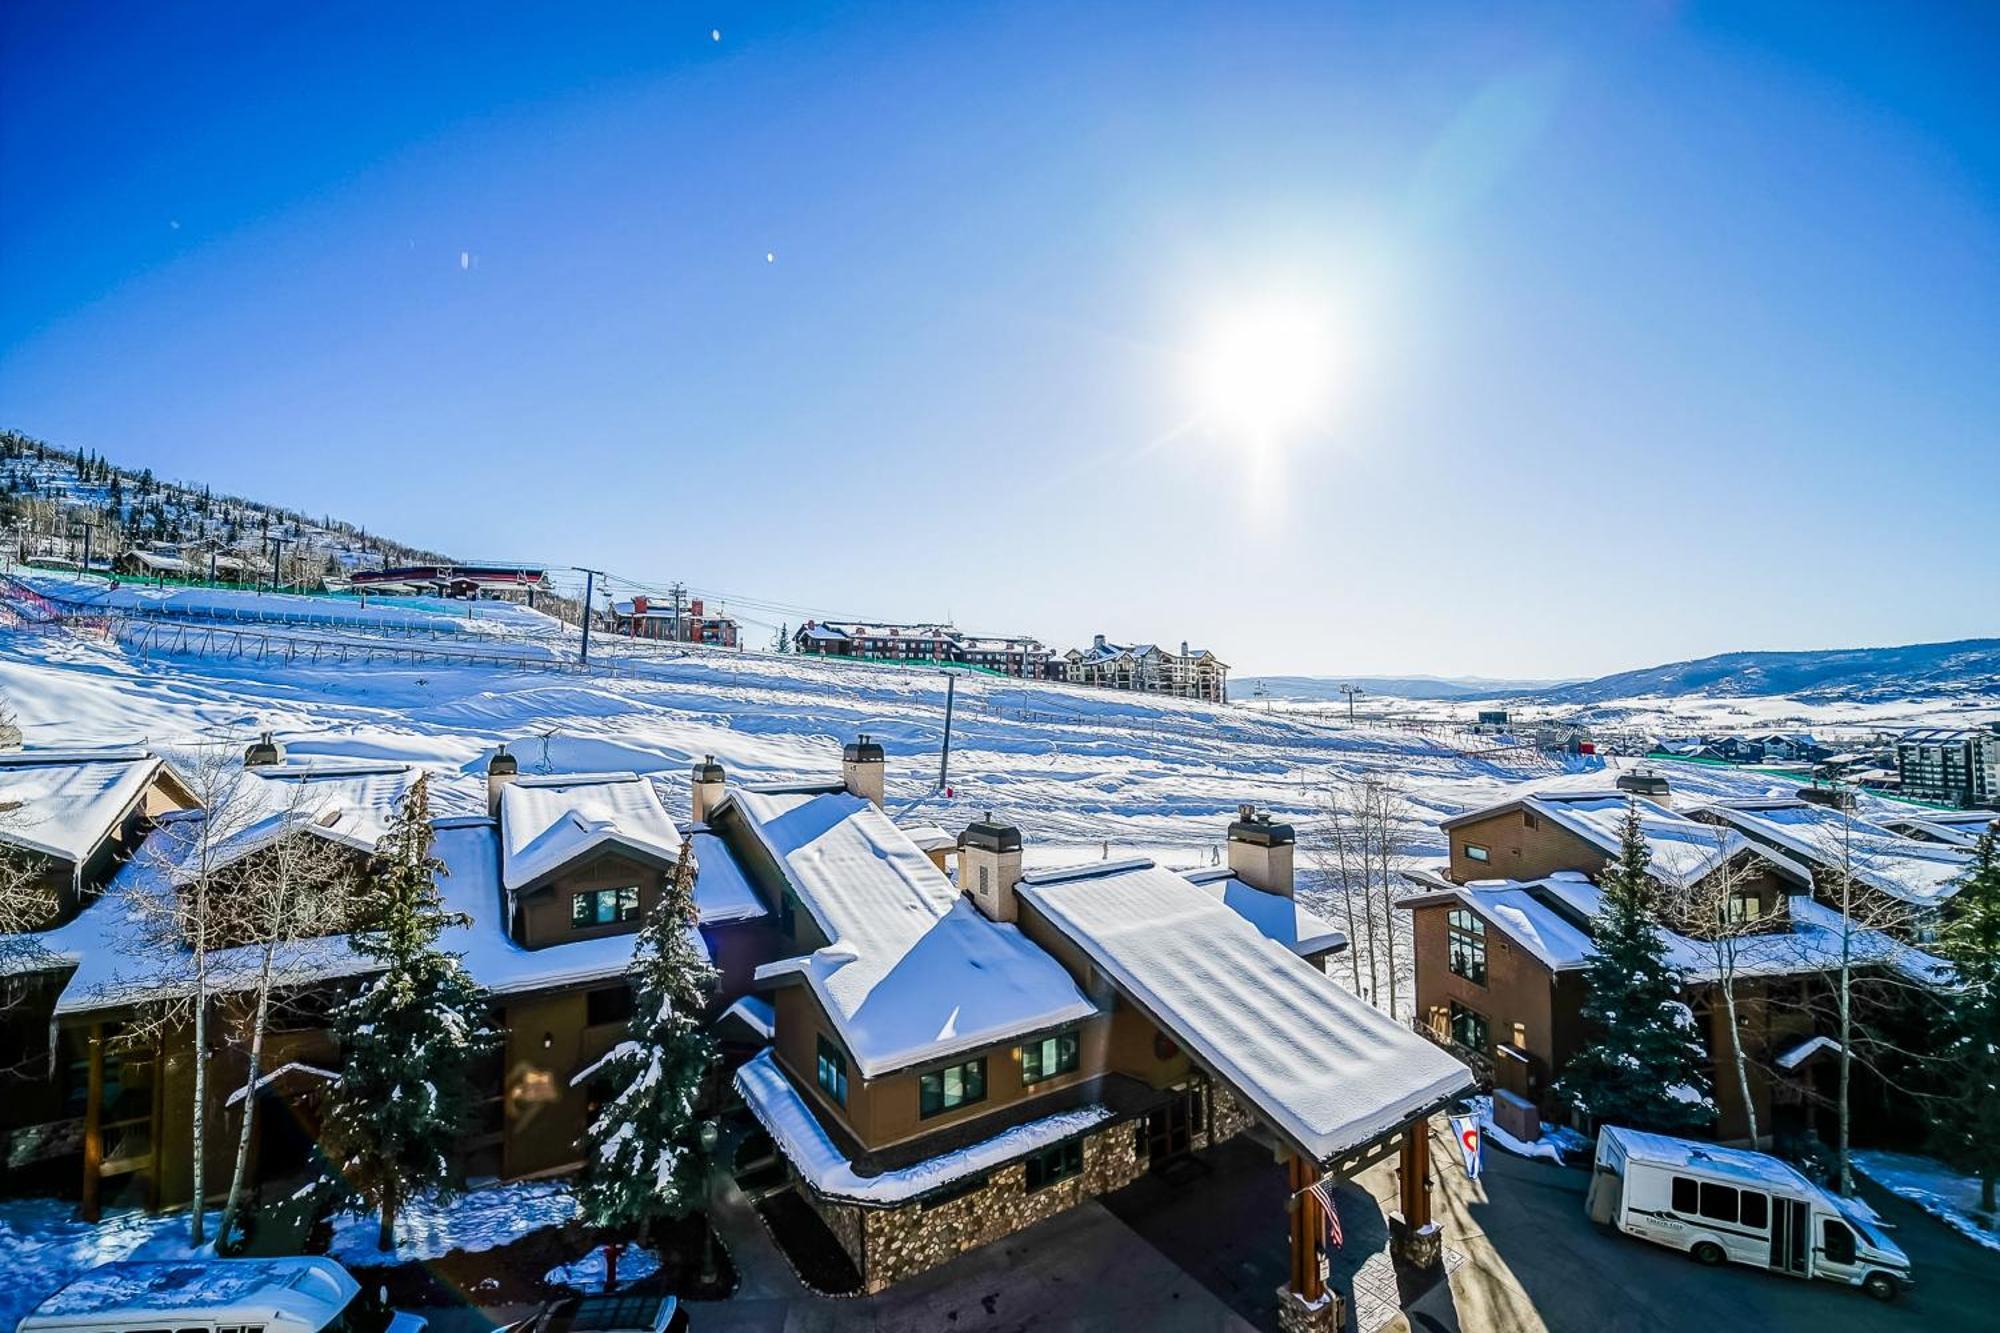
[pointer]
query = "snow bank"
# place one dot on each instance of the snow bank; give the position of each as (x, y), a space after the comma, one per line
(587, 1274)
(43, 1246)
(1556, 1140)
(481, 1219)
(1934, 1187)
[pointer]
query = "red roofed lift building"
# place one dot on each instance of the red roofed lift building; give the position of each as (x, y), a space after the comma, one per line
(646, 617)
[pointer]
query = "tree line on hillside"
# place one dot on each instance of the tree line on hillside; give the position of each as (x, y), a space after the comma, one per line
(49, 495)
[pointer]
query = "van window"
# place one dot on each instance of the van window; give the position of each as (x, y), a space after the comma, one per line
(1837, 1241)
(1686, 1195)
(1718, 1202)
(1756, 1210)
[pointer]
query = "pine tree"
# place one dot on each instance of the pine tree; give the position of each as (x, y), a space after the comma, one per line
(1642, 1064)
(410, 1036)
(1967, 1127)
(643, 1159)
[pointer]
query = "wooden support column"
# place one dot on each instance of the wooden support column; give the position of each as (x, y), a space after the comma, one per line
(1306, 1228)
(1416, 1173)
(93, 1125)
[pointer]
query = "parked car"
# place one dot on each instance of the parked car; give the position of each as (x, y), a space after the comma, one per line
(612, 1312)
(306, 1295)
(1730, 1205)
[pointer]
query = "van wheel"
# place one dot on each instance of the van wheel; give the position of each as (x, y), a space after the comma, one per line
(1881, 1286)
(1707, 1253)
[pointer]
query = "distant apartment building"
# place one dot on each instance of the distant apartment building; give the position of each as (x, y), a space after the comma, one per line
(1011, 655)
(1192, 673)
(646, 617)
(1960, 765)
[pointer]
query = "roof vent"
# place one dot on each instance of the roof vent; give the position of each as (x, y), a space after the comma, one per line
(502, 763)
(263, 752)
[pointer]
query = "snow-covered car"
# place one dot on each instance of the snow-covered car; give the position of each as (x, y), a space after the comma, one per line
(609, 1313)
(304, 1295)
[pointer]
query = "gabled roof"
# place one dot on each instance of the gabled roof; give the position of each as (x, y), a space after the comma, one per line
(547, 823)
(1683, 850)
(63, 803)
(1830, 840)
(1325, 1070)
(349, 804)
(913, 971)
(1550, 920)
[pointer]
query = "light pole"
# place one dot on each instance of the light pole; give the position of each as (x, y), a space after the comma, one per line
(1350, 691)
(589, 591)
(711, 1134)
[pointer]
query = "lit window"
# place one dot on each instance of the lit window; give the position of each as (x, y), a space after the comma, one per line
(604, 907)
(949, 1089)
(1466, 945)
(1049, 1056)
(832, 1072)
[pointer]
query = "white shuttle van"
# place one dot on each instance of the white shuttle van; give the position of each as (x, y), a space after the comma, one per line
(305, 1295)
(1736, 1206)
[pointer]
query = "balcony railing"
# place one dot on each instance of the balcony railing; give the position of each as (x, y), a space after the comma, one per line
(1478, 1062)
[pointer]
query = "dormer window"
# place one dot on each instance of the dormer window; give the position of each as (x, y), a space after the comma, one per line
(604, 907)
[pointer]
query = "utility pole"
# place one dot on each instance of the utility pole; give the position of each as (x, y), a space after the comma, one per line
(88, 529)
(589, 590)
(678, 590)
(1350, 691)
(944, 760)
(277, 562)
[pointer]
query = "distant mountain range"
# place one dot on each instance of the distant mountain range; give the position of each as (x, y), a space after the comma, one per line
(1314, 688)
(1914, 671)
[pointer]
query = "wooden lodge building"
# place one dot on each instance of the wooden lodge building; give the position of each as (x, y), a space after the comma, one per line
(939, 1061)
(1503, 938)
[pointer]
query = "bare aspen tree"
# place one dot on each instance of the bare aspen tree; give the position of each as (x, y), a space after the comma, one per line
(176, 909)
(280, 904)
(1363, 851)
(1719, 911)
(1333, 853)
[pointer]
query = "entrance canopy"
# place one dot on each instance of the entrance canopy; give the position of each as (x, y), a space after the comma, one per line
(1327, 1072)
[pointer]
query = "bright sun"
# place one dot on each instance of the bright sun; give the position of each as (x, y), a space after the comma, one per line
(1266, 371)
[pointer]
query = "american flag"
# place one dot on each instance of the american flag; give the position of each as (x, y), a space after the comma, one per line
(1323, 1191)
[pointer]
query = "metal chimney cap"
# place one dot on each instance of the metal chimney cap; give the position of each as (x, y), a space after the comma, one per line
(502, 764)
(861, 750)
(990, 835)
(1259, 830)
(708, 770)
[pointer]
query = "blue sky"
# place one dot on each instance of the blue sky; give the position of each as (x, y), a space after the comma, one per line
(1664, 329)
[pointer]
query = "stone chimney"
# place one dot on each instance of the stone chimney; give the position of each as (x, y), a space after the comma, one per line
(989, 866)
(1648, 785)
(1260, 852)
(263, 753)
(706, 789)
(501, 769)
(861, 769)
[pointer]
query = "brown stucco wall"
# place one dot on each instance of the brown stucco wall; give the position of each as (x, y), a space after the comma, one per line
(1518, 989)
(545, 910)
(1519, 852)
(544, 1114)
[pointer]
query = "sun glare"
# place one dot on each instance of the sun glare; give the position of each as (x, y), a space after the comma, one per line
(1266, 371)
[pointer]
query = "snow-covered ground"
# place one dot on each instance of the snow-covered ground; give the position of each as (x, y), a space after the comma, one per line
(588, 1273)
(481, 1219)
(1558, 1143)
(1934, 1187)
(43, 1246)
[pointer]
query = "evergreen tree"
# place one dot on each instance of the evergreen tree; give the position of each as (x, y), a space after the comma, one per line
(1968, 1126)
(642, 1154)
(1643, 1064)
(410, 1037)
(783, 643)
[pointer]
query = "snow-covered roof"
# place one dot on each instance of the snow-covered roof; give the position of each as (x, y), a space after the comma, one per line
(792, 1125)
(1548, 918)
(755, 1013)
(1799, 1052)
(345, 803)
(1328, 1071)
(1953, 828)
(912, 971)
(1755, 1167)
(1274, 916)
(1831, 840)
(929, 837)
(1683, 850)
(549, 822)
(62, 803)
(721, 892)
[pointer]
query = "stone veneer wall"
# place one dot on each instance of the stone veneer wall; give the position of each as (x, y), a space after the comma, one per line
(890, 1244)
(1226, 1116)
